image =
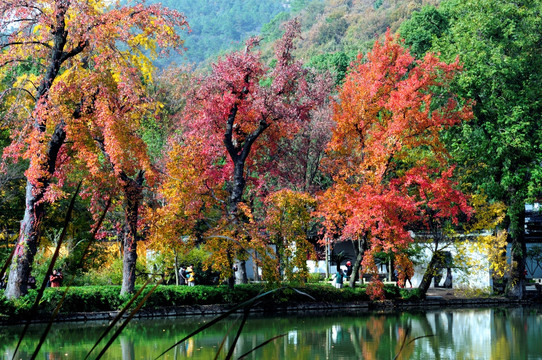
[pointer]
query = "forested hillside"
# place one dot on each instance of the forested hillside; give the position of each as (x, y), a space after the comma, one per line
(335, 31)
(350, 25)
(329, 27)
(221, 24)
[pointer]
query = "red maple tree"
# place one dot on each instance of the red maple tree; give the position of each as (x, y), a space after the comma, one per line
(388, 124)
(238, 114)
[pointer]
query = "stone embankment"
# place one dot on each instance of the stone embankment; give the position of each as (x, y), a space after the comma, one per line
(436, 298)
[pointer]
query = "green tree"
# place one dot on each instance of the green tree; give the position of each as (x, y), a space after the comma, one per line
(336, 63)
(422, 28)
(500, 43)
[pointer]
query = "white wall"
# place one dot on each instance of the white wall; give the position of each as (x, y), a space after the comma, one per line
(472, 277)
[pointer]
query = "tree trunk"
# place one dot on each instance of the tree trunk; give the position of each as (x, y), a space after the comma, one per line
(27, 245)
(129, 265)
(516, 284)
(233, 211)
(176, 265)
(34, 212)
(231, 279)
(34, 208)
(239, 154)
(430, 272)
(359, 250)
(132, 198)
(243, 272)
(448, 283)
(238, 188)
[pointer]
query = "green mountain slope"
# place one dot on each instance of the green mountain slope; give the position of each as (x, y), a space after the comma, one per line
(330, 27)
(351, 26)
(218, 25)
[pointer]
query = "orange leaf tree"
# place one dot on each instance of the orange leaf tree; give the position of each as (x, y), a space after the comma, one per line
(388, 123)
(71, 47)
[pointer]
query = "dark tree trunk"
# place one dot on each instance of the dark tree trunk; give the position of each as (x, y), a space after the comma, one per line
(449, 281)
(430, 272)
(231, 279)
(243, 272)
(516, 230)
(27, 245)
(132, 198)
(239, 154)
(359, 250)
(29, 234)
(233, 211)
(238, 187)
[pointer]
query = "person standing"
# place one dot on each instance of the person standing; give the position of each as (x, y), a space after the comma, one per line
(339, 278)
(190, 275)
(407, 272)
(348, 270)
(182, 276)
(55, 279)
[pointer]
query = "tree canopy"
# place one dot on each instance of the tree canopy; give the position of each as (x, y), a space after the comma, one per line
(387, 160)
(84, 87)
(499, 43)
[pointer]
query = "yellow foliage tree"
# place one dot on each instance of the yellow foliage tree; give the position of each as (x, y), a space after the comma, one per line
(288, 222)
(489, 238)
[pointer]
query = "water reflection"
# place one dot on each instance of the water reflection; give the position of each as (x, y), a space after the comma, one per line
(458, 334)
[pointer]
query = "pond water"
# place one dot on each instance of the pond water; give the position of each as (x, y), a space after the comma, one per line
(504, 333)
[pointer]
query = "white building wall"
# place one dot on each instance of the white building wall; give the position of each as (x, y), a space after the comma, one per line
(472, 277)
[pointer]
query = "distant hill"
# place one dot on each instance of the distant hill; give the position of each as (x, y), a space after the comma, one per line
(218, 25)
(335, 31)
(330, 27)
(351, 26)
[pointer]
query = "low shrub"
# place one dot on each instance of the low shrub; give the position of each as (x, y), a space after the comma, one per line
(165, 296)
(391, 291)
(315, 278)
(17, 307)
(411, 294)
(83, 299)
(107, 298)
(7, 308)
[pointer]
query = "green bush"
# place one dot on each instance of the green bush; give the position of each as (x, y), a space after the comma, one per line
(391, 291)
(17, 307)
(165, 296)
(411, 294)
(83, 299)
(7, 308)
(315, 278)
(107, 298)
